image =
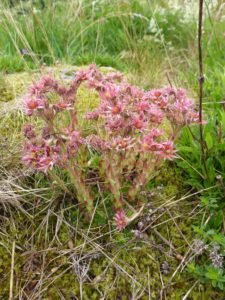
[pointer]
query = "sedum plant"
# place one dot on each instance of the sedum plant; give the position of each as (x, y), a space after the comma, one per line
(133, 133)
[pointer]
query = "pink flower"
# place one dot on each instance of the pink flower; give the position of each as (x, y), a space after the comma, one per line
(41, 157)
(84, 75)
(193, 117)
(29, 159)
(133, 91)
(75, 141)
(96, 142)
(75, 135)
(120, 144)
(31, 156)
(138, 123)
(62, 105)
(183, 105)
(127, 135)
(29, 132)
(108, 92)
(114, 76)
(33, 104)
(155, 114)
(155, 132)
(167, 150)
(181, 93)
(162, 102)
(46, 84)
(115, 123)
(153, 95)
(142, 106)
(81, 75)
(93, 115)
(116, 109)
(46, 163)
(120, 219)
(158, 97)
(150, 143)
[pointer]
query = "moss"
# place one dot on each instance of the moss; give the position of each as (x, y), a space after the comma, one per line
(134, 259)
(14, 85)
(169, 181)
(87, 101)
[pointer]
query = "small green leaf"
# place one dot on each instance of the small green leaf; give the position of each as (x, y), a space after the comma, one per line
(220, 285)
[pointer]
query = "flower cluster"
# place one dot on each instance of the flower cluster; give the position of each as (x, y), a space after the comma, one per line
(57, 144)
(214, 252)
(134, 132)
(41, 157)
(129, 126)
(216, 257)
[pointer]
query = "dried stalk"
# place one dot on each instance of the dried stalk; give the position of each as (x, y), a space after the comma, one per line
(201, 83)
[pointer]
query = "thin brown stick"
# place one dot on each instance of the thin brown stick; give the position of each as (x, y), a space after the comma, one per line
(12, 271)
(201, 83)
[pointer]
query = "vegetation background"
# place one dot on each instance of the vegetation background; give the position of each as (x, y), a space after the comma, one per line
(47, 250)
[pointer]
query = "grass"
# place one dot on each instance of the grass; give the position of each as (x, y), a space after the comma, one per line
(138, 37)
(48, 250)
(111, 33)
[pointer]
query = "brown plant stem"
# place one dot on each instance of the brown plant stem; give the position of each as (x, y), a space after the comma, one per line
(201, 83)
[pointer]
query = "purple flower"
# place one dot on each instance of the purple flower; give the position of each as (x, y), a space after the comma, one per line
(24, 52)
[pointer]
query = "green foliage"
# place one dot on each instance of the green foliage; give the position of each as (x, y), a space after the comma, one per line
(212, 198)
(210, 235)
(208, 274)
(212, 186)
(191, 156)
